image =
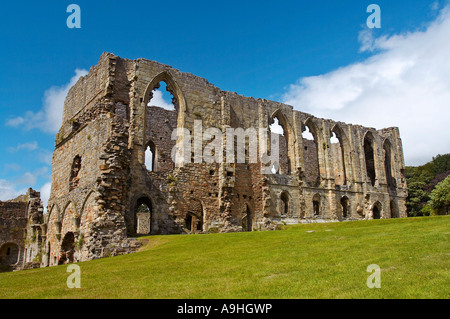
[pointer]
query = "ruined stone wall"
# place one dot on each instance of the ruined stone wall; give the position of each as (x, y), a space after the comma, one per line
(99, 177)
(22, 231)
(13, 222)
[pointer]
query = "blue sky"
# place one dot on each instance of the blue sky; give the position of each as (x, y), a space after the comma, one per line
(318, 56)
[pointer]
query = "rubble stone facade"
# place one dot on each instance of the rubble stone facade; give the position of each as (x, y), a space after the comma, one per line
(22, 232)
(103, 195)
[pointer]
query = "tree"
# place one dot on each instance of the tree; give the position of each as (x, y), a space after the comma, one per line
(439, 203)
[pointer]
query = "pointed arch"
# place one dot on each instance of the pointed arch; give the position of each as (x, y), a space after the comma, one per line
(143, 216)
(285, 203)
(369, 156)
(286, 143)
(377, 210)
(388, 163)
(54, 213)
(151, 157)
(88, 212)
(70, 219)
(178, 98)
(338, 152)
(345, 204)
(311, 154)
(178, 101)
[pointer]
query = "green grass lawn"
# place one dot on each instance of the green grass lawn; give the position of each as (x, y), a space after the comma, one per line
(330, 262)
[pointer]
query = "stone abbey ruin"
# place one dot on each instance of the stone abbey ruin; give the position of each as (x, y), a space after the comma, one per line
(103, 195)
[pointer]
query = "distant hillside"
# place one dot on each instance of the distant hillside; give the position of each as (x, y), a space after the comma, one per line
(422, 180)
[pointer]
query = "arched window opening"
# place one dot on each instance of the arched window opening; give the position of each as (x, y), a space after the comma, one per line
(376, 210)
(388, 164)
(369, 158)
(337, 153)
(143, 216)
(67, 249)
(307, 135)
(316, 205)
(150, 157)
(345, 206)
(74, 172)
(283, 167)
(284, 204)
(310, 154)
(162, 97)
(334, 139)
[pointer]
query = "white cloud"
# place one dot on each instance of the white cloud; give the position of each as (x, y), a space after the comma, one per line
(9, 191)
(49, 118)
(405, 83)
(26, 146)
(158, 100)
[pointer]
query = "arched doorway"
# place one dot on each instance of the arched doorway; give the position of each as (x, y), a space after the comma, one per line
(143, 214)
(284, 204)
(193, 222)
(67, 249)
(376, 210)
(345, 206)
(316, 205)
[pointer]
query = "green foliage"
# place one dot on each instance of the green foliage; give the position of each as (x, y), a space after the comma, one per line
(172, 180)
(439, 203)
(420, 184)
(79, 244)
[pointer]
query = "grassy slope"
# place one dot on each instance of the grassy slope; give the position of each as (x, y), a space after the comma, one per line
(413, 254)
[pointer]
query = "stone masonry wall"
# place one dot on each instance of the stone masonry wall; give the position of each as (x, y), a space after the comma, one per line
(99, 177)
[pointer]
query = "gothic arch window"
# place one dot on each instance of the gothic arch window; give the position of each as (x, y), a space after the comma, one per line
(387, 148)
(279, 125)
(370, 157)
(74, 172)
(151, 158)
(311, 153)
(337, 151)
(162, 96)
